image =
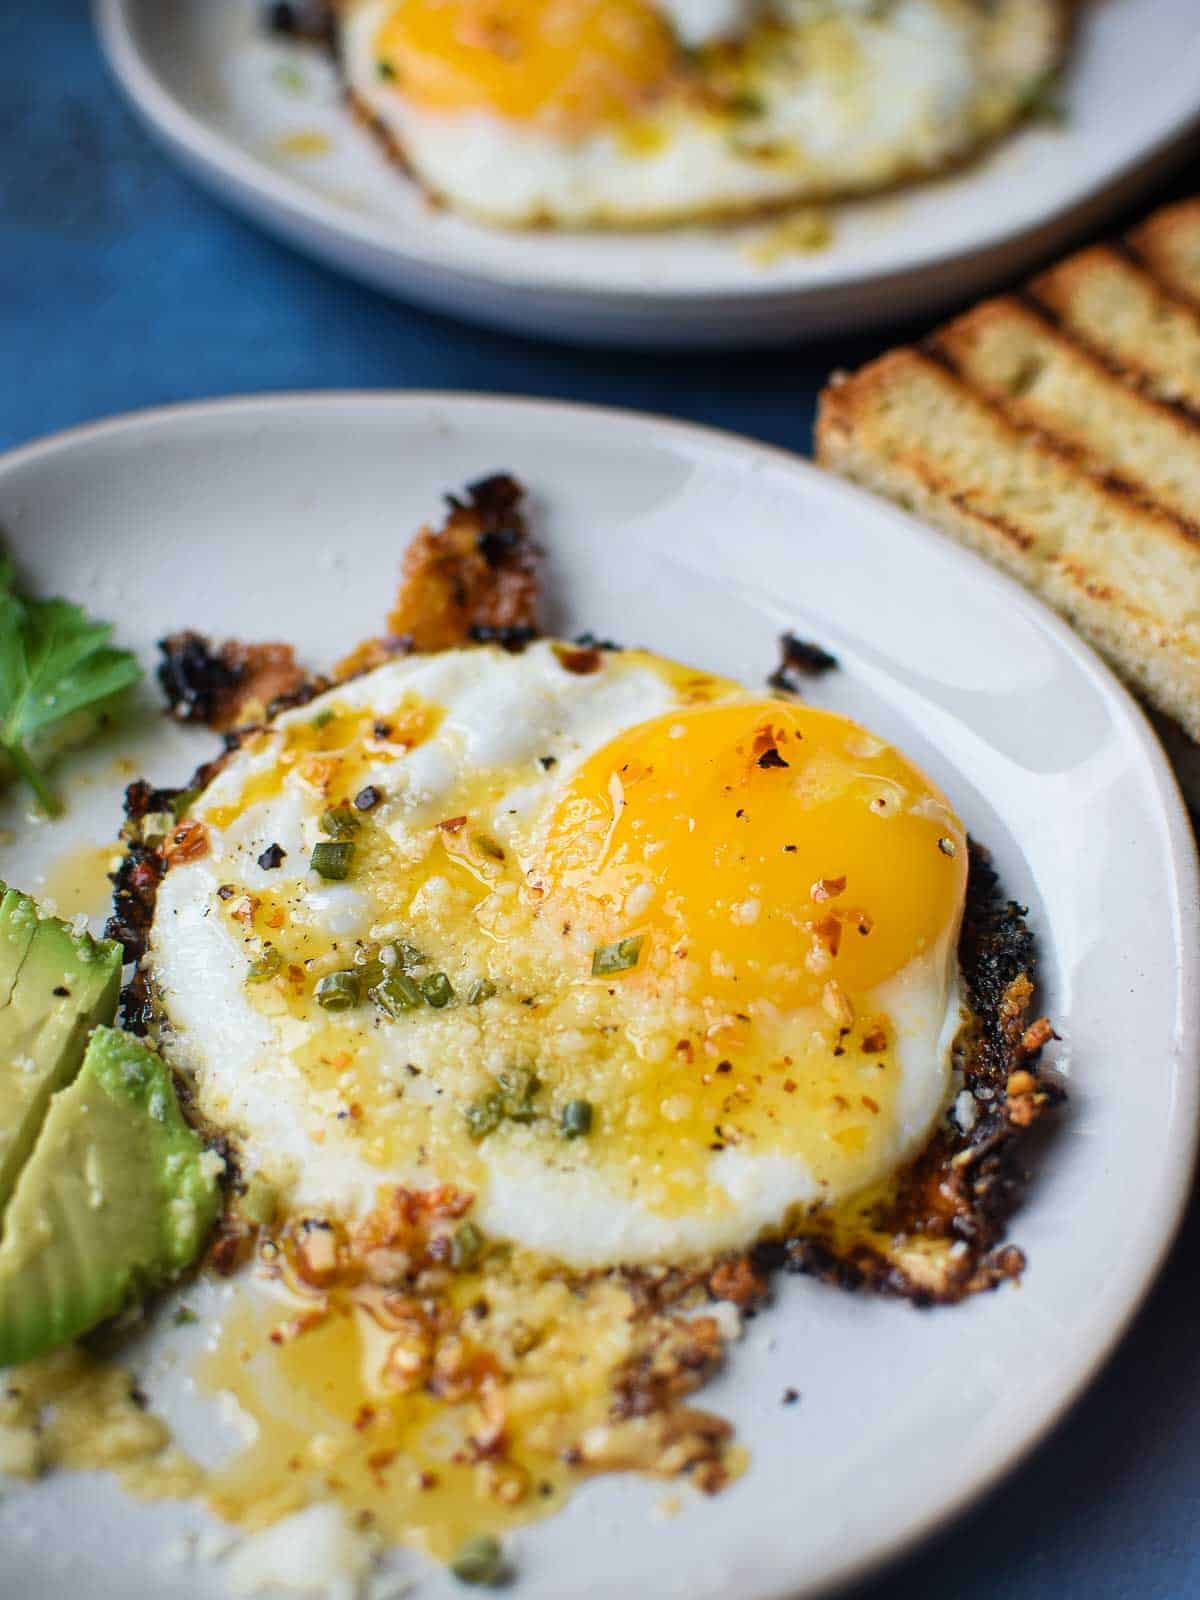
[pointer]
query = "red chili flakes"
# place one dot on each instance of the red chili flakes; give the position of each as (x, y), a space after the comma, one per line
(245, 909)
(186, 842)
(452, 824)
(871, 1105)
(766, 747)
(874, 1040)
(789, 1086)
(1036, 1035)
(828, 888)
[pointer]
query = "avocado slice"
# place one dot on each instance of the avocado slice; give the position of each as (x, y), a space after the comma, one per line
(117, 1198)
(55, 985)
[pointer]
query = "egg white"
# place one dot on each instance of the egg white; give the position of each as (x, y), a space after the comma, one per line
(859, 97)
(506, 712)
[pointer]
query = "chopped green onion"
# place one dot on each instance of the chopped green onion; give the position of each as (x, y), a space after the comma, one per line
(370, 972)
(324, 718)
(184, 1315)
(339, 822)
(437, 989)
(482, 989)
(407, 955)
(267, 965)
(576, 1119)
(339, 991)
(519, 1086)
(485, 843)
(480, 1561)
(484, 1116)
(332, 860)
(396, 994)
(618, 957)
(466, 1247)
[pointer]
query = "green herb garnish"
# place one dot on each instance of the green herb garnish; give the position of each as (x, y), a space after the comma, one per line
(518, 1087)
(370, 972)
(55, 662)
(332, 860)
(510, 1101)
(484, 1116)
(339, 991)
(407, 955)
(396, 994)
(618, 957)
(437, 989)
(266, 966)
(466, 1246)
(480, 1561)
(481, 989)
(339, 822)
(576, 1119)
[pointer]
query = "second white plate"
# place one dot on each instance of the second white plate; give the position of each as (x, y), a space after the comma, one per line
(262, 123)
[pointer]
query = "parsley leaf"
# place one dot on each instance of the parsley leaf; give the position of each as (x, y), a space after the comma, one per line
(55, 661)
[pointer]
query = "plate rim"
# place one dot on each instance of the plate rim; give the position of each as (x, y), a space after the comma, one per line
(214, 157)
(1183, 859)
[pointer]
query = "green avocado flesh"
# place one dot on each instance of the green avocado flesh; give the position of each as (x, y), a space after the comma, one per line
(55, 986)
(117, 1198)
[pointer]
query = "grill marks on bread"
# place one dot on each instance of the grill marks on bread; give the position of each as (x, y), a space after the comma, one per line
(1058, 434)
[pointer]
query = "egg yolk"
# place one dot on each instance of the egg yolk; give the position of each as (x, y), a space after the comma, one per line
(573, 63)
(758, 849)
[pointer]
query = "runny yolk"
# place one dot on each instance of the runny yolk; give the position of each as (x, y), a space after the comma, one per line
(576, 64)
(755, 850)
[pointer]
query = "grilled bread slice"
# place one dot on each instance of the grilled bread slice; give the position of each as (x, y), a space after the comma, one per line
(1169, 244)
(1126, 573)
(1012, 356)
(1116, 308)
(1057, 432)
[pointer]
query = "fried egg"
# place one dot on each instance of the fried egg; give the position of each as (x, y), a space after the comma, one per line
(585, 112)
(646, 962)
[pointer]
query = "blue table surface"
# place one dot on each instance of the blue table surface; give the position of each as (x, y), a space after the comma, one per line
(122, 286)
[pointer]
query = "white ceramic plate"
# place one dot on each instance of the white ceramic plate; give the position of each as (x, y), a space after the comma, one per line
(230, 104)
(287, 516)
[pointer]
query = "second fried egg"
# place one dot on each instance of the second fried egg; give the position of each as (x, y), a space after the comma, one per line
(643, 960)
(583, 112)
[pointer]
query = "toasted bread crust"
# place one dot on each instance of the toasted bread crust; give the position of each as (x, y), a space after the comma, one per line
(1104, 299)
(1168, 243)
